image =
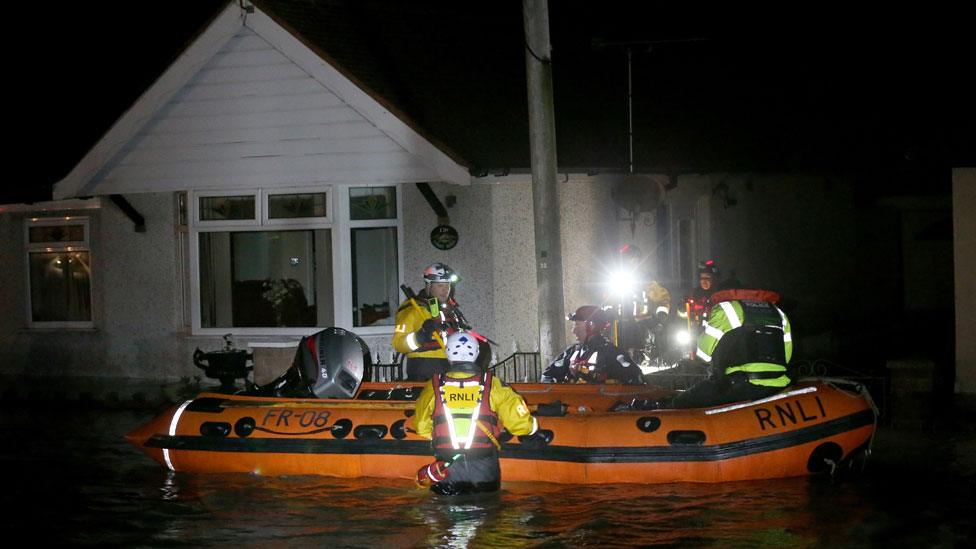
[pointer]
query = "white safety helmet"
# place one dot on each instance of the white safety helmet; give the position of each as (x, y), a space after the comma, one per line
(461, 347)
(439, 272)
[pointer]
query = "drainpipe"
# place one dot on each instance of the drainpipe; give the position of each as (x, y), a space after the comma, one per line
(545, 195)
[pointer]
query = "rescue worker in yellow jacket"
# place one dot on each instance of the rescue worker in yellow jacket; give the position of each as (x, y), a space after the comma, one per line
(464, 411)
(424, 321)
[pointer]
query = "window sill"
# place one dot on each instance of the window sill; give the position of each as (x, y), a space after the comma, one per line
(59, 327)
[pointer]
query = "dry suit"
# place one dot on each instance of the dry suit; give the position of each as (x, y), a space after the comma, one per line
(419, 336)
(595, 361)
(464, 412)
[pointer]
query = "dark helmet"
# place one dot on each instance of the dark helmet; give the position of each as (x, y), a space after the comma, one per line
(596, 319)
(708, 266)
(439, 272)
(591, 313)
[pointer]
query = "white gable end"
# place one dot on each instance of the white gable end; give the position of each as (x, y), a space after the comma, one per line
(254, 116)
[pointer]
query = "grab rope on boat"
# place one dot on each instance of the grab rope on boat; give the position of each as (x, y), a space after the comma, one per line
(862, 392)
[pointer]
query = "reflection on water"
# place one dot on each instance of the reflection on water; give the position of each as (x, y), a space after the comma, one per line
(71, 478)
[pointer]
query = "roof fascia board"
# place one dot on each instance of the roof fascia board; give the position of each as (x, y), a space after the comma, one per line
(561, 177)
(54, 205)
(236, 183)
(80, 181)
(360, 101)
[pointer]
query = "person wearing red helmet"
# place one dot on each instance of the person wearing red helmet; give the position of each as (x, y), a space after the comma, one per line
(593, 358)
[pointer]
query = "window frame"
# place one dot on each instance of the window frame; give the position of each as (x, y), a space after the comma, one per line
(224, 223)
(83, 245)
(344, 204)
(340, 226)
(266, 195)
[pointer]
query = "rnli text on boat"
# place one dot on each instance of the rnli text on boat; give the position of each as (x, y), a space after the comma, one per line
(786, 415)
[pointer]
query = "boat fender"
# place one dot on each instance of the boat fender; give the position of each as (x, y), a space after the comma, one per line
(244, 427)
(369, 432)
(686, 438)
(216, 429)
(825, 457)
(649, 424)
(341, 428)
(399, 430)
(538, 440)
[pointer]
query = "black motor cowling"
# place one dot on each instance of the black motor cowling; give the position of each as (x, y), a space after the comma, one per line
(328, 364)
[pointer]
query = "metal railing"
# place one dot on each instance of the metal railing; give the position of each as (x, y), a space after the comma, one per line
(877, 385)
(394, 371)
(519, 368)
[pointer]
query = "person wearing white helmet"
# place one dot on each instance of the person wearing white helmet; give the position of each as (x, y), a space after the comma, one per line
(463, 412)
(423, 322)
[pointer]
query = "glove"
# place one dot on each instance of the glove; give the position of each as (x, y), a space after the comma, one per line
(432, 473)
(426, 332)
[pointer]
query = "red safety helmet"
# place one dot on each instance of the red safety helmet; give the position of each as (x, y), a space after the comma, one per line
(708, 266)
(596, 318)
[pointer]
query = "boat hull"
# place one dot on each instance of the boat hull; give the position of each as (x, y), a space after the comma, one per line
(801, 431)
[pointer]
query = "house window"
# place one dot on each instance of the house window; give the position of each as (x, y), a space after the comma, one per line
(372, 203)
(294, 259)
(266, 279)
(298, 205)
(59, 272)
(375, 278)
(226, 208)
(374, 253)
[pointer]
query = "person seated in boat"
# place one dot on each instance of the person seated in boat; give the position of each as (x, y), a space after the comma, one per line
(593, 358)
(747, 344)
(424, 320)
(464, 411)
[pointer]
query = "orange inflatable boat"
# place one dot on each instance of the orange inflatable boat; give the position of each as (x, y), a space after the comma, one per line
(812, 426)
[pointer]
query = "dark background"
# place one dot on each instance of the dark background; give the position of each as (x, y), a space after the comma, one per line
(821, 88)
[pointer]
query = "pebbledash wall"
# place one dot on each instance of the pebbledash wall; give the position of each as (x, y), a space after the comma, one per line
(135, 300)
(138, 280)
(763, 233)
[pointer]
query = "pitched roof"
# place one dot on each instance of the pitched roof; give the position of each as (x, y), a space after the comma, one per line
(211, 98)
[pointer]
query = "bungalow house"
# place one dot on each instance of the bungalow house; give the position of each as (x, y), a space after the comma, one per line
(263, 189)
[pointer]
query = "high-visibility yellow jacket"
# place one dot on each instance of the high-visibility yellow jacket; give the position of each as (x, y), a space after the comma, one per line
(511, 409)
(769, 327)
(410, 318)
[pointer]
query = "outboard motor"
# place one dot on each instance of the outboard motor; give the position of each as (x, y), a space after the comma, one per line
(328, 364)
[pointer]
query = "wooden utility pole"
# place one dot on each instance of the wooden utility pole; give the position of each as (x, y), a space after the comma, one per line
(545, 196)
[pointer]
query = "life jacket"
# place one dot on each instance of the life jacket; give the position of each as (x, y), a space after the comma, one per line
(584, 366)
(740, 294)
(460, 404)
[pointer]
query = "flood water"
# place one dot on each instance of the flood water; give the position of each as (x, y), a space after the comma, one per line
(71, 479)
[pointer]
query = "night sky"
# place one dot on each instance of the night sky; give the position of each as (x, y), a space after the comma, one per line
(829, 90)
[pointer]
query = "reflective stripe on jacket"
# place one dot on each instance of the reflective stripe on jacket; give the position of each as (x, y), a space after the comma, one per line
(409, 319)
(459, 406)
(506, 405)
(727, 316)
